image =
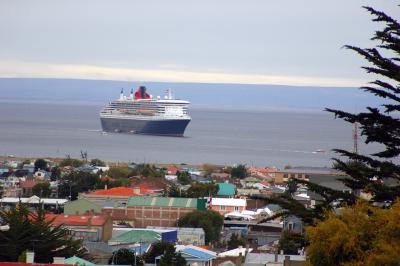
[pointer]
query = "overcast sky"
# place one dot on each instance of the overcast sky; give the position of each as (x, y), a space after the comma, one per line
(272, 42)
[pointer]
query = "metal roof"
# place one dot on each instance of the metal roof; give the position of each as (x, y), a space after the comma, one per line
(162, 202)
(228, 202)
(195, 253)
(78, 261)
(137, 236)
(226, 189)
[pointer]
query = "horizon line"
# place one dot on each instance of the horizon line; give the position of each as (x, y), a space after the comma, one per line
(16, 69)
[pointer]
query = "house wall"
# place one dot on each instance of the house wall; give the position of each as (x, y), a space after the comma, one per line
(279, 178)
(107, 230)
(104, 197)
(143, 216)
(191, 238)
(157, 216)
(223, 209)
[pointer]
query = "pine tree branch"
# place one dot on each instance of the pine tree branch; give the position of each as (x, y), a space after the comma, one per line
(381, 93)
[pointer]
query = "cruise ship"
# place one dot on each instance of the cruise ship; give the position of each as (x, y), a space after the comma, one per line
(140, 113)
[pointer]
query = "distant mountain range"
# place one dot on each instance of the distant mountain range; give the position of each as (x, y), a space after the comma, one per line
(201, 95)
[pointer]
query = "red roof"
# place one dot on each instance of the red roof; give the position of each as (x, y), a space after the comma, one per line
(106, 177)
(30, 183)
(116, 191)
(172, 170)
(77, 220)
(265, 183)
(145, 188)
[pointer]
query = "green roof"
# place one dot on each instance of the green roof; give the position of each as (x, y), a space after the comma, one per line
(226, 189)
(134, 236)
(163, 202)
(78, 261)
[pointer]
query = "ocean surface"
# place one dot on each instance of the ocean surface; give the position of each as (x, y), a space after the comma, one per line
(256, 138)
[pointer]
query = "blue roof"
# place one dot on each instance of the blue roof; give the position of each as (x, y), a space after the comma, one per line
(140, 250)
(197, 253)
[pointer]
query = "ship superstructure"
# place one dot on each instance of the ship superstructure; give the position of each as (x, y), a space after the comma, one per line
(142, 114)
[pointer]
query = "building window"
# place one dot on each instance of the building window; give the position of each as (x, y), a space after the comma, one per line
(236, 208)
(222, 208)
(290, 226)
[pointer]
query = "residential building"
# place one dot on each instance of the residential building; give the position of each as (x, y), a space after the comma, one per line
(96, 228)
(83, 206)
(293, 224)
(267, 259)
(47, 203)
(226, 190)
(185, 235)
(112, 194)
(196, 256)
(74, 260)
(172, 170)
(142, 211)
(154, 186)
(226, 205)
(133, 236)
(27, 187)
(305, 172)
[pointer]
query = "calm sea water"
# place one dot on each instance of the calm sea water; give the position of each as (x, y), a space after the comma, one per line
(221, 137)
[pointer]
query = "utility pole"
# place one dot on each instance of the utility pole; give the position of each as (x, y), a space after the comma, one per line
(355, 137)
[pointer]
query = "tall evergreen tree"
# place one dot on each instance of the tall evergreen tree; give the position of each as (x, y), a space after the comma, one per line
(379, 173)
(31, 231)
(370, 173)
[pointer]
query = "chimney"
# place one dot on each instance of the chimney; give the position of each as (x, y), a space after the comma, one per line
(136, 190)
(58, 260)
(30, 257)
(90, 221)
(286, 262)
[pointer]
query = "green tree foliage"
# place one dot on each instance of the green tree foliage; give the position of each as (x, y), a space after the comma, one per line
(122, 182)
(183, 177)
(239, 171)
(209, 169)
(172, 258)
(40, 164)
(71, 162)
(175, 191)
(291, 242)
(31, 231)
(125, 256)
(97, 162)
(77, 182)
(235, 241)
(55, 173)
(26, 161)
(146, 170)
(156, 250)
(379, 125)
(120, 172)
(358, 235)
(209, 220)
(42, 189)
(200, 190)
